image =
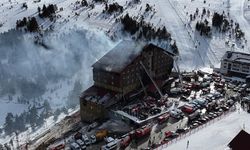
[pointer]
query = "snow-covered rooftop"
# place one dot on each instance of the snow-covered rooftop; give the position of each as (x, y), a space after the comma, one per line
(237, 57)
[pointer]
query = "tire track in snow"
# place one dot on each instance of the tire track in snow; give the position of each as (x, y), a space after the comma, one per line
(179, 31)
(215, 58)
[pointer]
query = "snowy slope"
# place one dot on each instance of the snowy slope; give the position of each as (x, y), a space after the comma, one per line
(217, 135)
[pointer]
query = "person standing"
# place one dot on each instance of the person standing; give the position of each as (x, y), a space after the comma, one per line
(187, 144)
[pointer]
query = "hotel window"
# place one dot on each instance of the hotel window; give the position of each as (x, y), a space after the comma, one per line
(245, 67)
(235, 69)
(246, 71)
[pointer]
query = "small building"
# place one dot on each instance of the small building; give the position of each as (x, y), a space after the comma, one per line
(121, 71)
(235, 64)
(241, 141)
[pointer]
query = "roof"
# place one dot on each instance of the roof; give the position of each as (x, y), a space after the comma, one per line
(122, 55)
(237, 57)
(99, 95)
(241, 141)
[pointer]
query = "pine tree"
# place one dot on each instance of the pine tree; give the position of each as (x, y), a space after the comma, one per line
(33, 25)
(39, 9)
(33, 116)
(44, 8)
(47, 107)
(9, 123)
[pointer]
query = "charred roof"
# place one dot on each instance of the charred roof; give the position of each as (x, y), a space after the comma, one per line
(122, 55)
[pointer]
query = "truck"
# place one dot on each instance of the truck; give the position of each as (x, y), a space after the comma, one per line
(101, 134)
(163, 118)
(125, 141)
(144, 131)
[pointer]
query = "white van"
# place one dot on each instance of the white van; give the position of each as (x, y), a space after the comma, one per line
(75, 146)
(86, 140)
(81, 144)
(111, 145)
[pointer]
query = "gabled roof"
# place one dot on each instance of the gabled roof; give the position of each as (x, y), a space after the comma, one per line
(241, 141)
(122, 55)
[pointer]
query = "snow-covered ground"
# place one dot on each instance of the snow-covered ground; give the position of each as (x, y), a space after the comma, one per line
(217, 135)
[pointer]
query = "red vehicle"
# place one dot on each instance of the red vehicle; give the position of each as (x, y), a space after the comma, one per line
(196, 85)
(78, 135)
(163, 118)
(218, 85)
(171, 134)
(125, 141)
(143, 131)
(187, 109)
(168, 134)
(58, 147)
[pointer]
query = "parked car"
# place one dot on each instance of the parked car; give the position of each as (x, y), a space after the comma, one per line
(165, 140)
(202, 102)
(81, 144)
(189, 108)
(86, 140)
(109, 139)
(202, 120)
(74, 146)
(93, 139)
(176, 113)
(181, 130)
(111, 146)
(194, 115)
(171, 134)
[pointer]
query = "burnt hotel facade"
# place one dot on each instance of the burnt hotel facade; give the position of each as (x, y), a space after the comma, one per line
(120, 72)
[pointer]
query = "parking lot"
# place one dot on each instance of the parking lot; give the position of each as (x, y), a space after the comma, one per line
(201, 98)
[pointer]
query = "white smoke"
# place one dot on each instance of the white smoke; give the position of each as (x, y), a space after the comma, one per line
(29, 67)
